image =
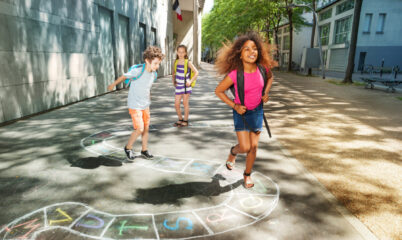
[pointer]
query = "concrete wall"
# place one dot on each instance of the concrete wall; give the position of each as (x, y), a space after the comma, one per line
(386, 45)
(55, 52)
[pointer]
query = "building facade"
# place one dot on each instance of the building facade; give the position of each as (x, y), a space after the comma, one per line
(54, 52)
(301, 40)
(380, 34)
(335, 27)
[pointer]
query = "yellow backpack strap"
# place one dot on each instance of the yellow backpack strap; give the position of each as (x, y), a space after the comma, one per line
(175, 66)
(185, 66)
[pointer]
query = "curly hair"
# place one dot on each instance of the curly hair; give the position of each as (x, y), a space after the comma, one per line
(228, 58)
(153, 52)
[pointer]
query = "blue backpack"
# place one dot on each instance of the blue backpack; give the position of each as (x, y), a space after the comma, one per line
(128, 80)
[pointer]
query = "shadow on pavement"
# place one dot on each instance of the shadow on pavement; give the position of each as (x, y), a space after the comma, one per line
(172, 193)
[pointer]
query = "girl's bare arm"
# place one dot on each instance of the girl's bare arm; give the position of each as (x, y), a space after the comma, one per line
(225, 84)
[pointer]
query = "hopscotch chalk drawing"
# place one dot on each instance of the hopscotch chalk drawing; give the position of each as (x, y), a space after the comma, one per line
(240, 208)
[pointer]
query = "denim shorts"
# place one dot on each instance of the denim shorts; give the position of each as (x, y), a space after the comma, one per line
(249, 121)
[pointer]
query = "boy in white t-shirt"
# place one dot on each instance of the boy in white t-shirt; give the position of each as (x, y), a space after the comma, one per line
(138, 100)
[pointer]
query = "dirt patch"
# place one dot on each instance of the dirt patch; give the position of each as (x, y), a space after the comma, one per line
(350, 138)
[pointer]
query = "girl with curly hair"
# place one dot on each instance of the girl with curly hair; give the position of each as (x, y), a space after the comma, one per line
(246, 55)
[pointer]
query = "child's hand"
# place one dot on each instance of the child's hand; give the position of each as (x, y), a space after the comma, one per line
(240, 109)
(265, 98)
(188, 84)
(110, 87)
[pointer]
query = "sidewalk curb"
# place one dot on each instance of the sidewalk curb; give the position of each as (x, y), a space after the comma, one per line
(356, 223)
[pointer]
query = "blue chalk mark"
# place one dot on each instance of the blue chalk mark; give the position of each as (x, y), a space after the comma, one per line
(201, 167)
(100, 221)
(189, 222)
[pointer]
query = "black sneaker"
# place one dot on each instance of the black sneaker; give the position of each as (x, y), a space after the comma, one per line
(129, 153)
(146, 154)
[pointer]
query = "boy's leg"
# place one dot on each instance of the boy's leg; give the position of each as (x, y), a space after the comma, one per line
(146, 117)
(138, 124)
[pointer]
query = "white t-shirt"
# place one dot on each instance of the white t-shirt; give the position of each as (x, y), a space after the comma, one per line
(140, 89)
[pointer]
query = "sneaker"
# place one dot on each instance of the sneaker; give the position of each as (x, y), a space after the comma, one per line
(146, 154)
(129, 154)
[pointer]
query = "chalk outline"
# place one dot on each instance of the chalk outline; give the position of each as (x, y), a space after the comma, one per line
(190, 160)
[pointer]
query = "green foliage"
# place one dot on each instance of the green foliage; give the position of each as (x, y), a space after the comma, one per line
(230, 18)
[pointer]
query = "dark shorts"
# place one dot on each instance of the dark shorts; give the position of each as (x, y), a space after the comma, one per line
(250, 121)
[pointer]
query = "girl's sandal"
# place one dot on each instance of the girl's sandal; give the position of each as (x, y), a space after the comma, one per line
(184, 123)
(178, 123)
(248, 183)
(229, 164)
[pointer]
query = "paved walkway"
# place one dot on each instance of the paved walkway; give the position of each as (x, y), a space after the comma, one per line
(63, 176)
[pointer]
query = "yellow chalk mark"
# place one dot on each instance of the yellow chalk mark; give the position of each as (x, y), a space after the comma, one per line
(61, 212)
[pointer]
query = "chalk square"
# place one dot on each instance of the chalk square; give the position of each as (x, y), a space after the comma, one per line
(169, 164)
(102, 135)
(179, 225)
(64, 214)
(202, 168)
(93, 223)
(92, 141)
(25, 227)
(132, 227)
(262, 186)
(222, 219)
(253, 205)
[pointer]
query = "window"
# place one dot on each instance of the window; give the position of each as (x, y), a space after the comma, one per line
(324, 34)
(325, 15)
(381, 22)
(286, 30)
(279, 43)
(143, 38)
(345, 6)
(286, 42)
(342, 30)
(153, 36)
(367, 22)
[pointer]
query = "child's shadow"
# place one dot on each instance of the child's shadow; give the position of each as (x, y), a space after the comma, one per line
(172, 193)
(95, 162)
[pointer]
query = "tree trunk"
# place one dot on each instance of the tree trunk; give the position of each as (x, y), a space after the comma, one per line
(353, 42)
(277, 44)
(313, 35)
(290, 15)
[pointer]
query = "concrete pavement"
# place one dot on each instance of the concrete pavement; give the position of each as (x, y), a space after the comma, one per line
(63, 176)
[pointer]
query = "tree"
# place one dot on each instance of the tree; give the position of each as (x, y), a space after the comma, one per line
(313, 33)
(353, 42)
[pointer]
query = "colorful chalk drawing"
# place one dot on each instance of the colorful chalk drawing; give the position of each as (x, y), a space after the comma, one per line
(241, 208)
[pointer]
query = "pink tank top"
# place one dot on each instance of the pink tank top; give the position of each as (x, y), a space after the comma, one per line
(253, 85)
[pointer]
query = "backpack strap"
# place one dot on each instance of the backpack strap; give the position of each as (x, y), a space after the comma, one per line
(264, 74)
(175, 66)
(128, 81)
(240, 85)
(185, 75)
(156, 76)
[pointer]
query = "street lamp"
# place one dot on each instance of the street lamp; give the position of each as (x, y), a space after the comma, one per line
(318, 34)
